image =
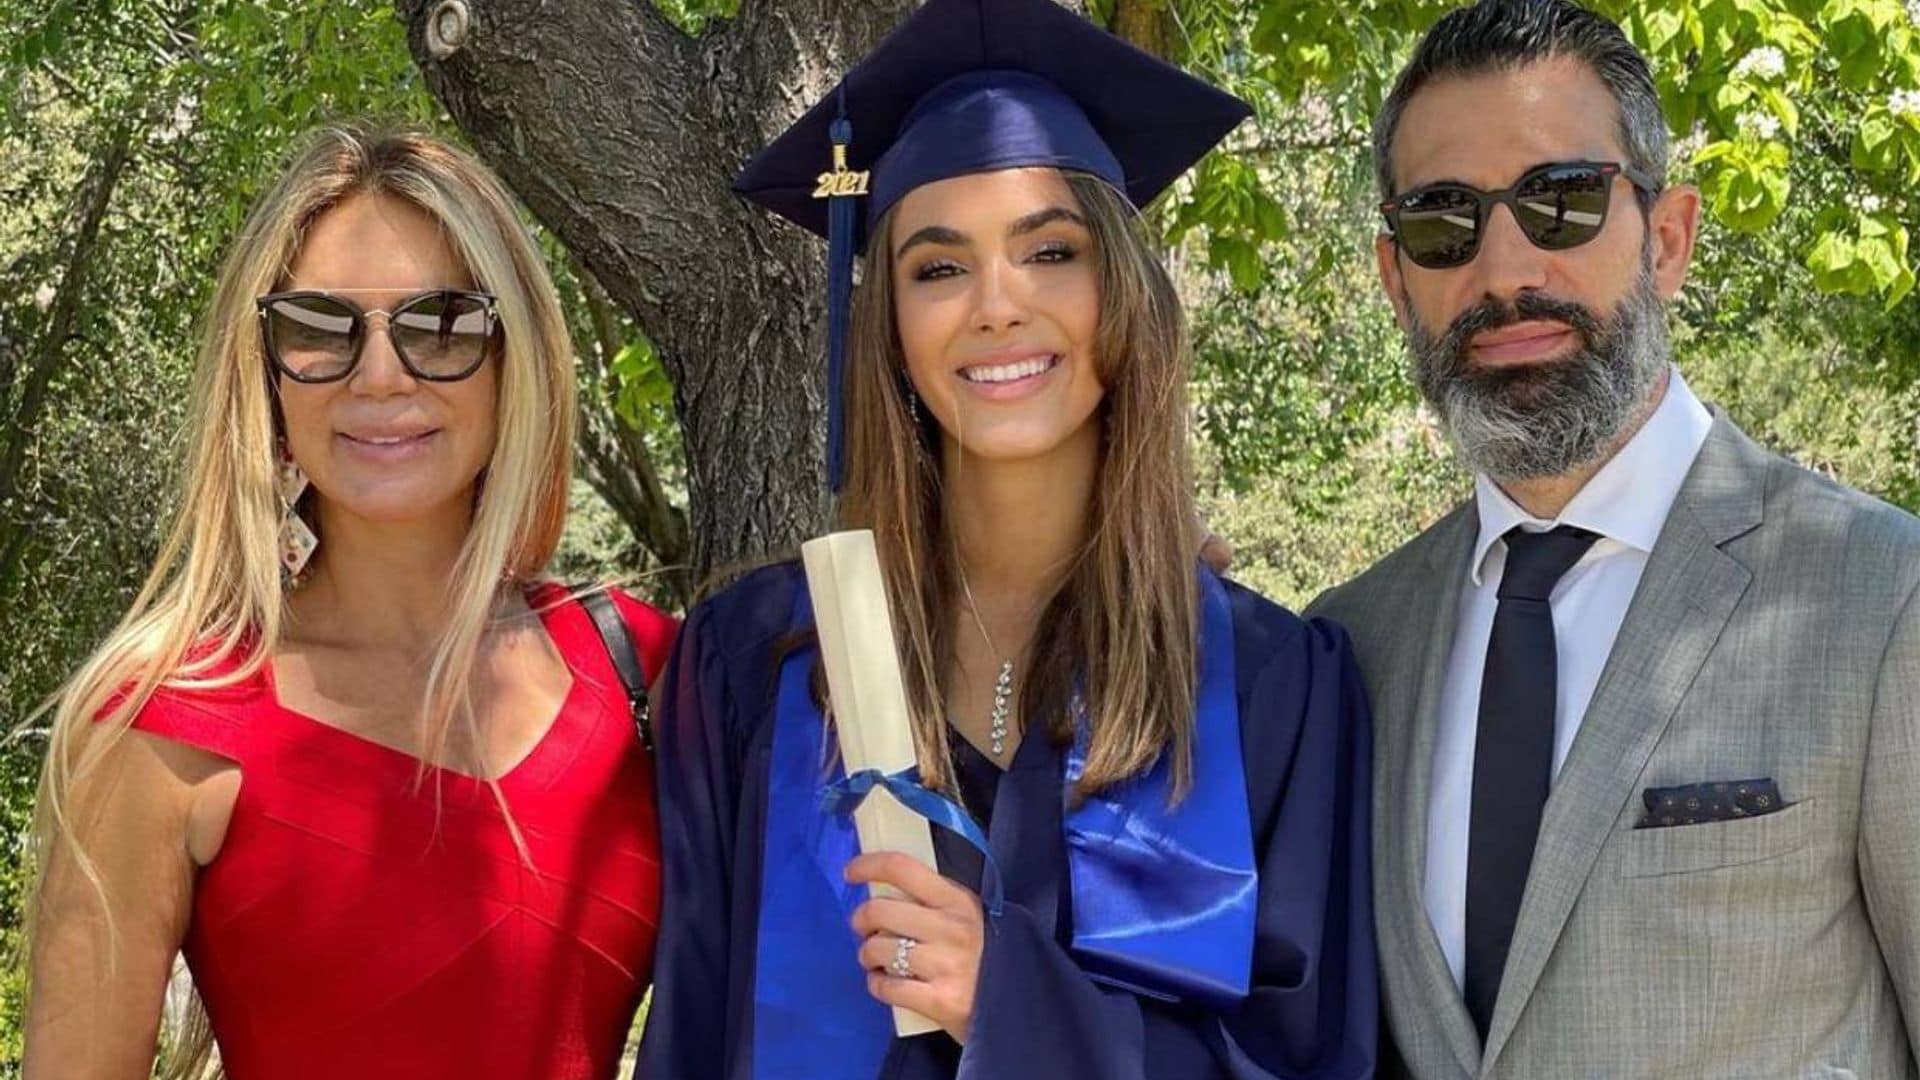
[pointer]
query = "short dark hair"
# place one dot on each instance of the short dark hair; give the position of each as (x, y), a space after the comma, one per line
(1503, 35)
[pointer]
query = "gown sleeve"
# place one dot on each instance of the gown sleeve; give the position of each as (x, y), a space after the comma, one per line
(698, 789)
(1313, 1009)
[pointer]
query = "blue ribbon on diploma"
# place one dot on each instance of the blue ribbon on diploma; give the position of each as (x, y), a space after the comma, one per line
(1163, 895)
(843, 797)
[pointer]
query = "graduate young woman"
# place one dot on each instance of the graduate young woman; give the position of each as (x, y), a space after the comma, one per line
(1169, 772)
(378, 782)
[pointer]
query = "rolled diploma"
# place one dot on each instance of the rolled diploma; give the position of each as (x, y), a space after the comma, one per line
(869, 699)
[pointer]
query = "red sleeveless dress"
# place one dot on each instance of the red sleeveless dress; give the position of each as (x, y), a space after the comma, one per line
(347, 929)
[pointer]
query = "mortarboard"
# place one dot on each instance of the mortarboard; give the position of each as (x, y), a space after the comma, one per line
(968, 86)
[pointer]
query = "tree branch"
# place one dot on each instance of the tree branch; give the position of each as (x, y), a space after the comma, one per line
(1282, 147)
(618, 463)
(622, 135)
(92, 199)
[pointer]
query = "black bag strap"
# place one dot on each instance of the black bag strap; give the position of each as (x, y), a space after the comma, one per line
(626, 659)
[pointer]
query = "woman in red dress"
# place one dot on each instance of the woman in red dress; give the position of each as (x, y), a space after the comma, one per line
(382, 789)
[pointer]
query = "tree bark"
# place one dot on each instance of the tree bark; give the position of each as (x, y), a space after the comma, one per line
(622, 135)
(1147, 24)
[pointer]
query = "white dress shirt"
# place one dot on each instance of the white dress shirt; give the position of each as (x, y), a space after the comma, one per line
(1626, 502)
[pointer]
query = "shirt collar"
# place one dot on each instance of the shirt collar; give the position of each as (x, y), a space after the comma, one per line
(1628, 499)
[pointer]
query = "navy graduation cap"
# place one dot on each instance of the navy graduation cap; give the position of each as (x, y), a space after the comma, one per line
(968, 86)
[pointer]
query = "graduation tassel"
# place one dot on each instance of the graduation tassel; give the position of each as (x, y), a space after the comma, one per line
(843, 189)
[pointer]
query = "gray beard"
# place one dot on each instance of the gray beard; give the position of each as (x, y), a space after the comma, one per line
(1550, 419)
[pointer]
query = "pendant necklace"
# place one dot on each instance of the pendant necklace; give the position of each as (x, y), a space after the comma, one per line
(1003, 686)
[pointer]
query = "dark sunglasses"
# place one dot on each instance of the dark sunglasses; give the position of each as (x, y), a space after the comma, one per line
(441, 335)
(1559, 205)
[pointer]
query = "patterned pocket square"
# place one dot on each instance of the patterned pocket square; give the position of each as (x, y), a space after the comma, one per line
(1717, 800)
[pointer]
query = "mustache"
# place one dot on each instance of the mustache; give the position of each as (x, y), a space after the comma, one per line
(1492, 314)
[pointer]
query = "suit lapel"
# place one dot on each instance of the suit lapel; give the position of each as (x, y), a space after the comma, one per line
(1414, 717)
(1686, 595)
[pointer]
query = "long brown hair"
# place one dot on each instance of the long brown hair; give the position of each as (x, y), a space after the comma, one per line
(1121, 626)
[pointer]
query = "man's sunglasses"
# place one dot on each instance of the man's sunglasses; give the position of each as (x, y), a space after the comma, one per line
(442, 335)
(1558, 206)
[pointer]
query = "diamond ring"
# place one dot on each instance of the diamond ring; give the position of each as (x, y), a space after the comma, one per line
(901, 966)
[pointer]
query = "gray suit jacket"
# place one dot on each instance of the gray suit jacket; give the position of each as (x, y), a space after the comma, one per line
(1774, 633)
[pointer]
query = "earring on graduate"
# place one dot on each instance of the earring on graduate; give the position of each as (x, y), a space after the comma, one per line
(913, 407)
(297, 540)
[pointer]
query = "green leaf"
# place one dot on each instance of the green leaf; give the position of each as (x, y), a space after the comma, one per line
(1661, 25)
(1874, 148)
(1713, 151)
(1777, 186)
(1876, 253)
(1731, 96)
(1858, 47)
(1876, 128)
(1902, 286)
(1782, 106)
(1270, 29)
(1831, 255)
(1270, 219)
(1240, 259)
(1793, 36)
(641, 385)
(1747, 194)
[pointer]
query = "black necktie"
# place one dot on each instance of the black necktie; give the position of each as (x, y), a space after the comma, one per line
(1513, 753)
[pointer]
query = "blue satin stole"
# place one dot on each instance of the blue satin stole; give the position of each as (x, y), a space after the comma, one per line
(1163, 896)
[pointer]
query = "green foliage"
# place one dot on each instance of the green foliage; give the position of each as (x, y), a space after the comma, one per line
(693, 16)
(1291, 541)
(1316, 456)
(1770, 97)
(1798, 119)
(1296, 373)
(181, 87)
(1865, 254)
(211, 97)
(1797, 320)
(1243, 216)
(645, 393)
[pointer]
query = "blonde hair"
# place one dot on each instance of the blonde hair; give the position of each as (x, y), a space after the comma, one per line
(211, 610)
(1121, 626)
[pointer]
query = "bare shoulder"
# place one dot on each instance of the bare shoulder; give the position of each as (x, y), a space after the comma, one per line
(115, 899)
(137, 795)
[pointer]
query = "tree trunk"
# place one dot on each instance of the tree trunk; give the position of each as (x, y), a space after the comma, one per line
(622, 135)
(1147, 24)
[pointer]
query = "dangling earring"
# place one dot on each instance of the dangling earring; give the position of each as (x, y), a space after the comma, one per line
(913, 408)
(296, 537)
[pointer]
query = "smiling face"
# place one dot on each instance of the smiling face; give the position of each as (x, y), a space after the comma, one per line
(381, 445)
(1538, 361)
(997, 303)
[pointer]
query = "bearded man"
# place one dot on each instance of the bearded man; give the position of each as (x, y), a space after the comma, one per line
(1647, 793)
